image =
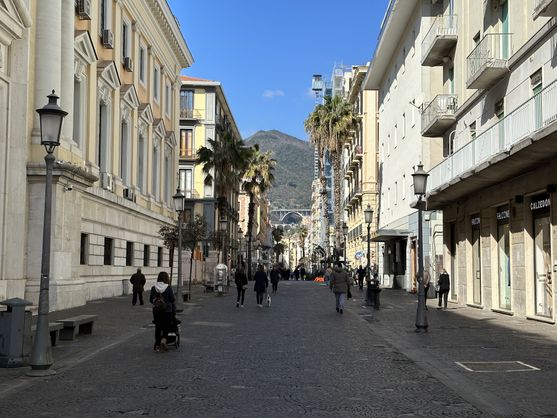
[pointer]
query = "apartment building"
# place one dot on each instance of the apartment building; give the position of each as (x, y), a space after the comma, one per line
(404, 88)
(496, 185)
(115, 66)
(360, 168)
(203, 111)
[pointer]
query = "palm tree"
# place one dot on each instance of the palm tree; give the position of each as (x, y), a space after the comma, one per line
(333, 124)
(259, 178)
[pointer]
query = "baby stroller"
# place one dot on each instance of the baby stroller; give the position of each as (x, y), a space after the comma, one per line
(173, 337)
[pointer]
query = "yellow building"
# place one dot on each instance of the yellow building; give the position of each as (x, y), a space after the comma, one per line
(115, 66)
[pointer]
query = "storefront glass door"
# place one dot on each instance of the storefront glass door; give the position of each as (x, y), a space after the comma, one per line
(476, 267)
(504, 266)
(542, 266)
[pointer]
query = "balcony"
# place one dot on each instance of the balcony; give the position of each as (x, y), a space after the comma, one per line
(546, 8)
(188, 154)
(189, 113)
(439, 115)
(487, 63)
(439, 40)
(522, 140)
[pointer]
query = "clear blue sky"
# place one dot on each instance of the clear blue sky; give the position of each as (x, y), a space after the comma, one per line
(264, 52)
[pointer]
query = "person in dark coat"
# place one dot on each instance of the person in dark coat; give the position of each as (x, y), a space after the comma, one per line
(296, 273)
(241, 280)
(302, 273)
(138, 283)
(340, 285)
(361, 274)
(444, 284)
(261, 284)
(275, 277)
(163, 315)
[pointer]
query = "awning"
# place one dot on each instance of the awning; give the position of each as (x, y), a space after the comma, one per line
(383, 235)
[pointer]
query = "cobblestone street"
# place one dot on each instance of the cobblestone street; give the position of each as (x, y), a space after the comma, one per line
(297, 358)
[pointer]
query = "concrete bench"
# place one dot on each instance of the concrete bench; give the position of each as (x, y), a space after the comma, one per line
(78, 325)
(54, 330)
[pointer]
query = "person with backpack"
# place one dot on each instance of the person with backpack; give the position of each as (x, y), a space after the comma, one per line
(162, 298)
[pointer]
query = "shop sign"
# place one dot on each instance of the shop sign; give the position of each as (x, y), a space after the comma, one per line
(358, 255)
(540, 202)
(475, 220)
(503, 213)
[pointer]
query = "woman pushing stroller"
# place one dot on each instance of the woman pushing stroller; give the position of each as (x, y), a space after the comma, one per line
(164, 309)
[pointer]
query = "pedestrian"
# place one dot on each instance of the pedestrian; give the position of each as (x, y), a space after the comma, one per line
(444, 284)
(328, 275)
(163, 302)
(138, 283)
(427, 282)
(275, 277)
(302, 273)
(361, 273)
(296, 273)
(261, 284)
(340, 285)
(241, 280)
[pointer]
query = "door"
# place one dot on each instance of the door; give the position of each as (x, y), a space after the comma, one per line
(504, 266)
(542, 266)
(452, 251)
(505, 30)
(476, 266)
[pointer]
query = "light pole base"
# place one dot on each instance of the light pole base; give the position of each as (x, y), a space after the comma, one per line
(40, 372)
(421, 328)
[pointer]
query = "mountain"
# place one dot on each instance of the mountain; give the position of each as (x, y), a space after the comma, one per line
(293, 171)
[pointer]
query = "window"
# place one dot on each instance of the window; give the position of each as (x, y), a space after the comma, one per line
(388, 145)
(125, 40)
(476, 38)
(402, 66)
(103, 140)
(156, 83)
(389, 198)
(129, 253)
(413, 116)
(159, 257)
(106, 15)
(413, 48)
(186, 181)
(403, 134)
(403, 186)
(396, 135)
(108, 251)
(167, 100)
(396, 193)
(146, 255)
(124, 153)
(186, 143)
(472, 134)
(156, 169)
(186, 103)
(142, 60)
(141, 163)
(84, 250)
(167, 175)
(78, 111)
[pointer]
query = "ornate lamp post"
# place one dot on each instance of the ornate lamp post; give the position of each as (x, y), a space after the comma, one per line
(179, 201)
(345, 233)
(368, 217)
(420, 181)
(51, 117)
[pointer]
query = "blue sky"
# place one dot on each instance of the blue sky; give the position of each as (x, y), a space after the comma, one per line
(265, 52)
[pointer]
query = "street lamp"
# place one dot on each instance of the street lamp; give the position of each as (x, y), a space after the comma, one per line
(51, 117)
(368, 218)
(344, 233)
(420, 181)
(179, 201)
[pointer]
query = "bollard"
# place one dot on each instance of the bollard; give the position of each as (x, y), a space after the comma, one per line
(15, 326)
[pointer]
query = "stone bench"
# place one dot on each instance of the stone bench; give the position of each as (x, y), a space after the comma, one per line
(77, 325)
(54, 330)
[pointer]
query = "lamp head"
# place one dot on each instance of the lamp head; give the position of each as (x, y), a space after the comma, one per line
(419, 178)
(368, 214)
(51, 116)
(179, 200)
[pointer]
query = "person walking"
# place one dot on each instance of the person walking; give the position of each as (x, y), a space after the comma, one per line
(275, 277)
(329, 276)
(444, 284)
(261, 284)
(427, 282)
(361, 274)
(302, 273)
(138, 283)
(340, 285)
(241, 280)
(163, 302)
(296, 273)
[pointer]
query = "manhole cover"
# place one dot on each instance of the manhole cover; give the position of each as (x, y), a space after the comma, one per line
(496, 366)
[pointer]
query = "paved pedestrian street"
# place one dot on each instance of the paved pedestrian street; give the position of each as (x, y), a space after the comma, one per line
(297, 358)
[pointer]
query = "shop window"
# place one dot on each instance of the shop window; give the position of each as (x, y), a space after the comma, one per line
(84, 250)
(108, 251)
(129, 253)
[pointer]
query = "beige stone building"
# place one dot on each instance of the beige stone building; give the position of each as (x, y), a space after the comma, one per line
(497, 182)
(115, 66)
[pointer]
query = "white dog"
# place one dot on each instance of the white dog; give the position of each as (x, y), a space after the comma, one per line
(268, 300)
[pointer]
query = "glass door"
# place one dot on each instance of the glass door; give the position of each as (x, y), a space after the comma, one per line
(505, 39)
(542, 266)
(452, 250)
(504, 266)
(476, 267)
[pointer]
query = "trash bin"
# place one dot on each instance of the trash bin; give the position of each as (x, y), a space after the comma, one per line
(15, 327)
(373, 291)
(221, 273)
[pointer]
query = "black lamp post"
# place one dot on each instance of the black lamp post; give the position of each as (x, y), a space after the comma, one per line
(368, 218)
(345, 233)
(420, 181)
(51, 117)
(179, 201)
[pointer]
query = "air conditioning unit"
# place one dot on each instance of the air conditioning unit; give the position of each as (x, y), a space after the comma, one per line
(128, 64)
(84, 9)
(108, 39)
(106, 181)
(129, 194)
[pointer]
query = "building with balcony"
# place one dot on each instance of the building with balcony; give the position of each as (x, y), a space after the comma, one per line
(115, 66)
(408, 77)
(496, 185)
(204, 112)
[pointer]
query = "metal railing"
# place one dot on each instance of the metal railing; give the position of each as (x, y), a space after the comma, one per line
(441, 105)
(444, 25)
(539, 5)
(189, 113)
(493, 51)
(187, 153)
(533, 115)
